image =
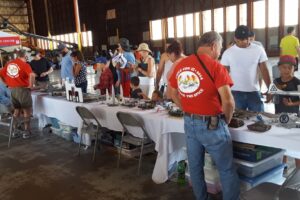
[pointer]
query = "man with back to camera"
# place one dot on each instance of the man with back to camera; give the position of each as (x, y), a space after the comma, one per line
(200, 86)
(243, 60)
(18, 76)
(289, 45)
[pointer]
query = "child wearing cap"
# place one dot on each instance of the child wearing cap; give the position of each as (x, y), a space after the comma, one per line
(287, 82)
(106, 79)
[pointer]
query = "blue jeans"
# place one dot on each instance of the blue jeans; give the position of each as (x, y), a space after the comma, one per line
(219, 145)
(248, 101)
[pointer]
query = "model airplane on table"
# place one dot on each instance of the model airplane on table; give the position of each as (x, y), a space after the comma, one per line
(274, 90)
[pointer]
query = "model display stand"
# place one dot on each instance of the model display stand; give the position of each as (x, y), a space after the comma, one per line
(175, 112)
(73, 93)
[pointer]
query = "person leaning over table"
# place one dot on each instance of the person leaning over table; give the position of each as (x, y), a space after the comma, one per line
(208, 106)
(106, 79)
(243, 60)
(42, 68)
(79, 71)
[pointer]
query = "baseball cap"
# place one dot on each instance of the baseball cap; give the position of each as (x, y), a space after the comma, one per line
(242, 32)
(101, 60)
(287, 59)
(61, 46)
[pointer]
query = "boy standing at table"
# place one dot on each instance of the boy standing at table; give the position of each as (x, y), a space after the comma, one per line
(287, 82)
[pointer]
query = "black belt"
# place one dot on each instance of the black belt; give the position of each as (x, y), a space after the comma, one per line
(203, 117)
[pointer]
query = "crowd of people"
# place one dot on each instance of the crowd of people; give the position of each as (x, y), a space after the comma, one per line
(206, 85)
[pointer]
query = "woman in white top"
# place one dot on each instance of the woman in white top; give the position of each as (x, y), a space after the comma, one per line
(164, 66)
(175, 53)
(146, 69)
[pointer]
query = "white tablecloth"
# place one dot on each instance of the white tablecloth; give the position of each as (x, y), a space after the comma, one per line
(57, 107)
(164, 130)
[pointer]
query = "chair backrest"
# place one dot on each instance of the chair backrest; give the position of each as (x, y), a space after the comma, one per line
(292, 181)
(86, 115)
(128, 119)
(293, 178)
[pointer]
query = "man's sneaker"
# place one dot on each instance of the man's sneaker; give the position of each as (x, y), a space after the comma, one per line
(15, 135)
(26, 134)
(285, 170)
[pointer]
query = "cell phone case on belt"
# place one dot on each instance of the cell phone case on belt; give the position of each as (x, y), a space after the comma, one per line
(213, 123)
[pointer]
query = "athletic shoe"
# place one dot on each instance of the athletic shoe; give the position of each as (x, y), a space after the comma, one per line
(26, 134)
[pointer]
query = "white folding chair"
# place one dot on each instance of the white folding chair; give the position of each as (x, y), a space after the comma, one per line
(89, 120)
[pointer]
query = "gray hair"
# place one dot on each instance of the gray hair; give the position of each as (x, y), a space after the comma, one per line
(209, 38)
(21, 53)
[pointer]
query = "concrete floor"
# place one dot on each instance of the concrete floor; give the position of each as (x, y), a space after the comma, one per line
(46, 167)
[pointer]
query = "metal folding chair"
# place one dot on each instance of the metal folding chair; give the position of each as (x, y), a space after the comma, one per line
(91, 126)
(8, 120)
(129, 120)
(289, 190)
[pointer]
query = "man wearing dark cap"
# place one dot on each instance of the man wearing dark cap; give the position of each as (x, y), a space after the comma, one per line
(42, 68)
(125, 74)
(243, 60)
(66, 63)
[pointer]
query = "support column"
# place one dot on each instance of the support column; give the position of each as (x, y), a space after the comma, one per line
(47, 22)
(31, 20)
(77, 22)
